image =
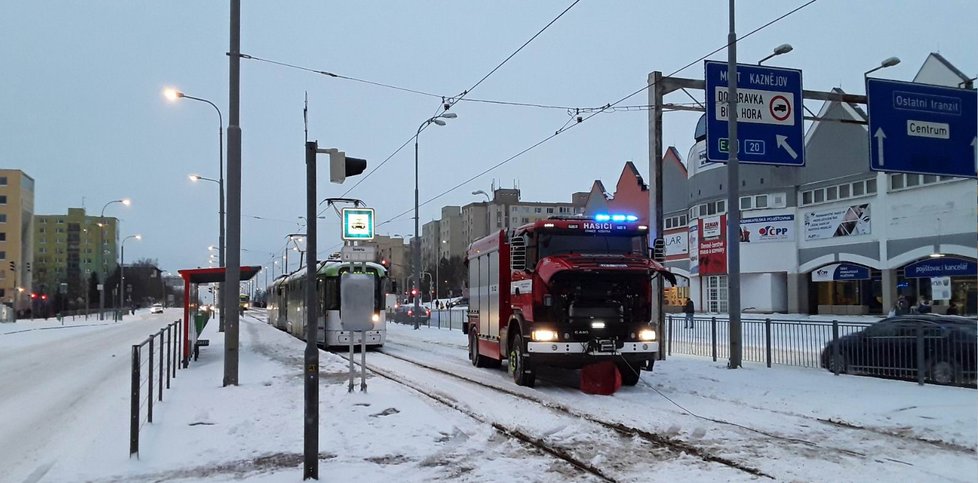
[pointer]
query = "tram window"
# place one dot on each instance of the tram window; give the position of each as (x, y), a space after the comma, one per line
(331, 295)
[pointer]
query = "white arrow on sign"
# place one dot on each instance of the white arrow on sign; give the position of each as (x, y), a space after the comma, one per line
(783, 143)
(880, 136)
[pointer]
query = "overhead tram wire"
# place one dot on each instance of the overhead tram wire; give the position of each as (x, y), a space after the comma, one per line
(448, 102)
(608, 106)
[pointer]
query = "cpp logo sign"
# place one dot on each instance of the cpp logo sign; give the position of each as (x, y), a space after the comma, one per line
(773, 231)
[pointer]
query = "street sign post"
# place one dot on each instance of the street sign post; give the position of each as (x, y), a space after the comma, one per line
(358, 223)
(922, 128)
(769, 115)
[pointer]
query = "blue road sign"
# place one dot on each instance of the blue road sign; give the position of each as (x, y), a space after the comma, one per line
(769, 115)
(922, 128)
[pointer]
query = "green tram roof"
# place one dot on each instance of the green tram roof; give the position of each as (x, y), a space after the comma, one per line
(331, 268)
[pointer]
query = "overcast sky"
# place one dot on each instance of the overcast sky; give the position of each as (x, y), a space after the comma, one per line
(81, 109)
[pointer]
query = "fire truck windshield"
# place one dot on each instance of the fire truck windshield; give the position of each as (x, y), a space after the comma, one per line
(554, 244)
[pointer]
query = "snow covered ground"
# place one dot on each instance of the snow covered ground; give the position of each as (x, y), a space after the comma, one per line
(64, 413)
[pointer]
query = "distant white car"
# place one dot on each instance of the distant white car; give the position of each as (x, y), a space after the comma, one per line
(156, 309)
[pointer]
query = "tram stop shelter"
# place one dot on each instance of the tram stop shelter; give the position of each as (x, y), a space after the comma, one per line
(192, 279)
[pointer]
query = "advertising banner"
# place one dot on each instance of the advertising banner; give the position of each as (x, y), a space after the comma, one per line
(694, 248)
(840, 271)
(853, 220)
(677, 243)
(763, 229)
(713, 245)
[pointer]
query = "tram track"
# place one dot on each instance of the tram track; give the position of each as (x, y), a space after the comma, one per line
(905, 456)
(675, 445)
(831, 422)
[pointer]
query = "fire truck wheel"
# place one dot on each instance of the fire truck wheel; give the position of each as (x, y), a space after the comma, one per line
(523, 373)
(629, 373)
(474, 350)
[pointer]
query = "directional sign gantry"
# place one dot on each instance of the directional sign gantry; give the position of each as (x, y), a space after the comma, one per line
(922, 128)
(769, 115)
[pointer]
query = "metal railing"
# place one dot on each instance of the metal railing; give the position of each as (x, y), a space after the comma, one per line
(440, 318)
(919, 351)
(162, 350)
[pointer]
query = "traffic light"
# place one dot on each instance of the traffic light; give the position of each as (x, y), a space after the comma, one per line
(28, 266)
(13, 266)
(341, 166)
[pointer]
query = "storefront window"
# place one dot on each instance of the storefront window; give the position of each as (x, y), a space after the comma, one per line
(716, 293)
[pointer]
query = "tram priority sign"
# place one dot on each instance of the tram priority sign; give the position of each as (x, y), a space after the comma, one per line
(358, 223)
(922, 128)
(770, 128)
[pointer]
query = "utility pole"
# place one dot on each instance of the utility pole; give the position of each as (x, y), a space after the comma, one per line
(733, 200)
(232, 274)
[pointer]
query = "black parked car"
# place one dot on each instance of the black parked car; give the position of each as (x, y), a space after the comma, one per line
(404, 314)
(888, 348)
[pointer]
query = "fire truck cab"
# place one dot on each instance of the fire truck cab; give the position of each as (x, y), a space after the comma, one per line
(563, 292)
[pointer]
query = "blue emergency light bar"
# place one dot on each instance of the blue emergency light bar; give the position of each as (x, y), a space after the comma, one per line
(615, 217)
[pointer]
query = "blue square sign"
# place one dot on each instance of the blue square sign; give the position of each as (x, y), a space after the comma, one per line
(922, 128)
(358, 223)
(770, 127)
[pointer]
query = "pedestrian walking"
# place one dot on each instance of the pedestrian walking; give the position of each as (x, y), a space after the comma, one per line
(689, 309)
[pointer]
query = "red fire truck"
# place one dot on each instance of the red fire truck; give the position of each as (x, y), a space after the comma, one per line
(564, 292)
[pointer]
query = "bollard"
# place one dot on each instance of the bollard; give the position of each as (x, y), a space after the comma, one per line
(713, 336)
(767, 339)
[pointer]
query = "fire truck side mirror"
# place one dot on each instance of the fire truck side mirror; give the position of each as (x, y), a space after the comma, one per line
(659, 250)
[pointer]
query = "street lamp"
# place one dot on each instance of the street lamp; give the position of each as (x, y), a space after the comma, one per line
(101, 240)
(122, 268)
(438, 120)
(437, 266)
(173, 95)
(888, 62)
(781, 49)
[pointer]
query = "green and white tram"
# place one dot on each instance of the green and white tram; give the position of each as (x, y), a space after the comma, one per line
(287, 301)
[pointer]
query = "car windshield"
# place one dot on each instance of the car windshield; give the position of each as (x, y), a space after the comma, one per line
(553, 244)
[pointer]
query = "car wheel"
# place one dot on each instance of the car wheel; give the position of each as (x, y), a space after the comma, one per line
(944, 372)
(838, 364)
(519, 365)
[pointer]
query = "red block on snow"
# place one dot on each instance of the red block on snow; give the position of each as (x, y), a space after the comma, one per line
(600, 378)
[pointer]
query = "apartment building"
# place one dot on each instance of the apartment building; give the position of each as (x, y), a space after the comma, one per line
(16, 238)
(67, 251)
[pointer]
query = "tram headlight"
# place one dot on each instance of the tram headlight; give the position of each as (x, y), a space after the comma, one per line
(544, 335)
(375, 317)
(646, 334)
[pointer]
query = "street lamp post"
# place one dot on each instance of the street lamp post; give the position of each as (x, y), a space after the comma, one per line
(438, 120)
(888, 62)
(779, 50)
(173, 95)
(437, 266)
(122, 269)
(220, 241)
(101, 242)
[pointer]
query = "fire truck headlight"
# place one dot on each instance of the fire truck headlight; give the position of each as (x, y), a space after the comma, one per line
(646, 334)
(544, 335)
